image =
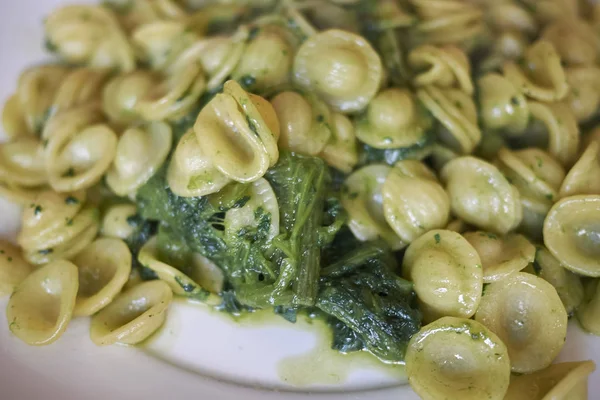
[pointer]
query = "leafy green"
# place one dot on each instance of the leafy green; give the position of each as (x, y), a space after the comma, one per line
(142, 232)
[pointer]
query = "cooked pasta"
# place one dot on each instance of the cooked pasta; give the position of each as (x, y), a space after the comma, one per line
(589, 310)
(583, 176)
(502, 105)
(13, 268)
(341, 150)
(122, 94)
(117, 221)
(441, 66)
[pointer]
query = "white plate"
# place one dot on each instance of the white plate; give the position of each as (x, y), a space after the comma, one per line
(199, 353)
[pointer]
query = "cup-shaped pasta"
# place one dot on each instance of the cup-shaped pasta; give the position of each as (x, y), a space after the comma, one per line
(502, 105)
(456, 112)
(191, 172)
(157, 41)
(42, 305)
(510, 16)
(527, 314)
(584, 96)
(588, 312)
(584, 176)
(537, 176)
(122, 94)
(80, 86)
(78, 149)
(572, 231)
(239, 132)
(26, 112)
(567, 284)
(22, 163)
(341, 151)
(13, 268)
(481, 196)
(457, 358)
(395, 118)
(446, 273)
(140, 153)
(88, 34)
(19, 195)
(138, 12)
(362, 198)
(547, 11)
(541, 76)
(118, 221)
(305, 122)
(341, 67)
(133, 316)
(508, 45)
(501, 256)
(446, 66)
(56, 226)
(104, 267)
(267, 59)
(448, 21)
(414, 202)
(574, 40)
(568, 380)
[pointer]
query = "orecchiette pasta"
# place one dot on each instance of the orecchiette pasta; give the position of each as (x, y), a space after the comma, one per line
(457, 358)
(441, 66)
(394, 118)
(305, 121)
(133, 315)
(584, 94)
(561, 381)
(528, 316)
(239, 132)
(122, 94)
(362, 198)
(140, 153)
(137, 12)
(91, 35)
(567, 284)
(588, 312)
(446, 272)
(574, 41)
(57, 226)
(22, 163)
(341, 151)
(571, 233)
(104, 267)
(502, 105)
(541, 75)
(414, 202)
(117, 223)
(41, 307)
(341, 67)
(13, 268)
(81, 86)
(501, 256)
(481, 195)
(584, 176)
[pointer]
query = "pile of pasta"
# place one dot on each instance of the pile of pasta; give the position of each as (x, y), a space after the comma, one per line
(465, 132)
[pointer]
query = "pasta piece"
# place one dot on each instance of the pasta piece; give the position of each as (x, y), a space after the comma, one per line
(22, 163)
(305, 122)
(537, 176)
(414, 202)
(104, 267)
(584, 96)
(141, 151)
(588, 312)
(79, 149)
(593, 136)
(567, 284)
(42, 305)
(122, 94)
(501, 256)
(26, 112)
(528, 316)
(561, 381)
(550, 10)
(457, 358)
(191, 172)
(239, 132)
(584, 176)
(18, 194)
(158, 41)
(481, 196)
(88, 34)
(448, 21)
(341, 67)
(571, 232)
(56, 226)
(574, 41)
(456, 112)
(561, 128)
(441, 155)
(446, 67)
(394, 119)
(362, 198)
(458, 226)
(341, 151)
(80, 87)
(446, 273)
(502, 105)
(541, 75)
(133, 316)
(133, 13)
(117, 222)
(13, 268)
